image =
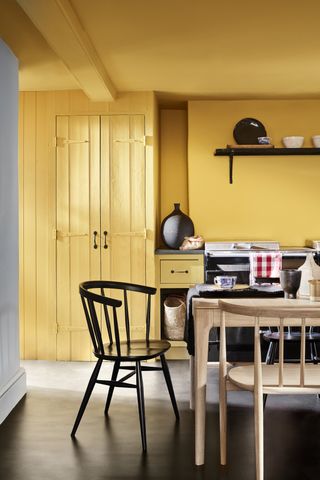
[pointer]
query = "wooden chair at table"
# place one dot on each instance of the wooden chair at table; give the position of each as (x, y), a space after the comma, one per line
(259, 378)
(292, 338)
(121, 352)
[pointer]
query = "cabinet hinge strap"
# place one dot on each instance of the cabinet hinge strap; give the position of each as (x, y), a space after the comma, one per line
(61, 141)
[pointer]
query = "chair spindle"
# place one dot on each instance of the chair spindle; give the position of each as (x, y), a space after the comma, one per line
(148, 318)
(95, 325)
(302, 352)
(281, 353)
(89, 323)
(257, 354)
(116, 330)
(126, 315)
(107, 320)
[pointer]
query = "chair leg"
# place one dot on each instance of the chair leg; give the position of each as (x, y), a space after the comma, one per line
(142, 416)
(265, 398)
(269, 353)
(316, 351)
(86, 396)
(313, 352)
(270, 357)
(258, 427)
(114, 375)
(223, 420)
(167, 377)
(274, 352)
(314, 357)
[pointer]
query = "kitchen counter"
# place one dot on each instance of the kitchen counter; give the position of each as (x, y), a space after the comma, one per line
(297, 249)
(284, 249)
(171, 251)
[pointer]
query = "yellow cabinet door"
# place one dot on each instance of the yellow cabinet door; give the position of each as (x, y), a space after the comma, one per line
(100, 188)
(123, 207)
(78, 217)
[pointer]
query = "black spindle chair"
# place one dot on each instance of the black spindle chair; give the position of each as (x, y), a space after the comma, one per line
(121, 351)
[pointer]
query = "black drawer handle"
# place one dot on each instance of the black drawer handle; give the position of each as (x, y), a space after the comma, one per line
(179, 271)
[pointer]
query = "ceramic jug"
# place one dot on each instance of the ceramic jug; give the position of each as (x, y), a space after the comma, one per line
(309, 271)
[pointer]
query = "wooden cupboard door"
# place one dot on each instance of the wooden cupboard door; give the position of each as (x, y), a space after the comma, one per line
(78, 217)
(123, 207)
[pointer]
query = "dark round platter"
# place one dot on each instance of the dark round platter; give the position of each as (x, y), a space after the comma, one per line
(247, 131)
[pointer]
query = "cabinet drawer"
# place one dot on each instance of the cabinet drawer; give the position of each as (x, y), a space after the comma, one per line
(181, 271)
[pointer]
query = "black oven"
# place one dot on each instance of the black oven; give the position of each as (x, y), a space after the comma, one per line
(229, 263)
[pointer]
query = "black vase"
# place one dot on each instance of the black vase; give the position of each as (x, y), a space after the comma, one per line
(175, 227)
(290, 282)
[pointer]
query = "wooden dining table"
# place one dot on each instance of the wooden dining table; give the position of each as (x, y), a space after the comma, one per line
(206, 315)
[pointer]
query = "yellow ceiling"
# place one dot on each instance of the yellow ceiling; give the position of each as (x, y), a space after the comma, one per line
(40, 68)
(179, 48)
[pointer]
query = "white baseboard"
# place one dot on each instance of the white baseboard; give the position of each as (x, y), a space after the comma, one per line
(12, 392)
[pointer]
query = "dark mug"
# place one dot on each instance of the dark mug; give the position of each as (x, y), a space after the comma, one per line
(290, 282)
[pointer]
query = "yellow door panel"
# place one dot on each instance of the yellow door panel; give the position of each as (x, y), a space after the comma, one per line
(123, 205)
(78, 216)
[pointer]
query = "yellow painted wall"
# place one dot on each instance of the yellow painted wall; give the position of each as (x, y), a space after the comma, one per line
(272, 198)
(174, 169)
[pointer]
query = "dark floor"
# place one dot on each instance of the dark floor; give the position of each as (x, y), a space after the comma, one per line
(35, 441)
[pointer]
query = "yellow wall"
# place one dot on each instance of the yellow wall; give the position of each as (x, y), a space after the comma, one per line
(272, 198)
(174, 169)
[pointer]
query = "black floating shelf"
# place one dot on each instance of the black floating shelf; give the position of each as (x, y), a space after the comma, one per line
(246, 152)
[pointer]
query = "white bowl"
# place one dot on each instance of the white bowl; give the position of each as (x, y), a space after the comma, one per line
(316, 141)
(293, 142)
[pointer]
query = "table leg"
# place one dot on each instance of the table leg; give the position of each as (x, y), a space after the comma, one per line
(191, 366)
(202, 326)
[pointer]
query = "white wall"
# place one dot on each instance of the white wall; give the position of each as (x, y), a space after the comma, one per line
(12, 377)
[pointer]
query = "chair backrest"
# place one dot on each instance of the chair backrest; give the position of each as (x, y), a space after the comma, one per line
(286, 313)
(90, 298)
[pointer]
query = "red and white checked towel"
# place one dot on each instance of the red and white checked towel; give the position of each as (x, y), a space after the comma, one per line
(265, 264)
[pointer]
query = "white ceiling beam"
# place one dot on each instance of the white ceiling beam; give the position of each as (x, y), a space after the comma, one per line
(60, 26)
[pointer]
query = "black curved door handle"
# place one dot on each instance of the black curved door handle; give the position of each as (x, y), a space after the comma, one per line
(95, 233)
(105, 233)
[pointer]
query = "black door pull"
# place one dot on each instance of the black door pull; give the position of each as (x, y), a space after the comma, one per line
(105, 233)
(95, 233)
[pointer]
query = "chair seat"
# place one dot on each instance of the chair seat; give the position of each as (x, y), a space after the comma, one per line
(243, 377)
(136, 350)
(291, 337)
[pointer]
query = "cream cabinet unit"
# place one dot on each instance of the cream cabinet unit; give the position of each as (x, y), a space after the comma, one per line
(176, 272)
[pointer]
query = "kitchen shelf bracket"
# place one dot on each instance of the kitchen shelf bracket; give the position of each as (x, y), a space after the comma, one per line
(230, 168)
